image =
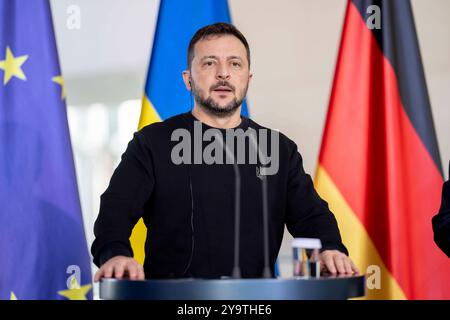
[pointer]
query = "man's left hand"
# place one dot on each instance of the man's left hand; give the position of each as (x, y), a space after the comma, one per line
(337, 263)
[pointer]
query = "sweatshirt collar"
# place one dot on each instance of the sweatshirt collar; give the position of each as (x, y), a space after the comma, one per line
(242, 125)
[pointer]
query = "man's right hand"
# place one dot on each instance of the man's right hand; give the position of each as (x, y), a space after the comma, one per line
(120, 267)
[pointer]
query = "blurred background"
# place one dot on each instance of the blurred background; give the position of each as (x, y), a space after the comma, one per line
(294, 46)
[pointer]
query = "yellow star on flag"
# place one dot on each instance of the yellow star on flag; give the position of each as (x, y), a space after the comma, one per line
(75, 292)
(12, 66)
(60, 80)
(13, 296)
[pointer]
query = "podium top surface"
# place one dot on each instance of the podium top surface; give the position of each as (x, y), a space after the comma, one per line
(325, 288)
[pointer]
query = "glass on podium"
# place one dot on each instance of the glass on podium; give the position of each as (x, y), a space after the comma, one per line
(306, 257)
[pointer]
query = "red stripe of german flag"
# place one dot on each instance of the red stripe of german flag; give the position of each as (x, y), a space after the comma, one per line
(377, 173)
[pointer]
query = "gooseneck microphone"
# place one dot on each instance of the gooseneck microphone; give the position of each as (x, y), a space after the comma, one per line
(265, 201)
(236, 273)
(237, 217)
(265, 206)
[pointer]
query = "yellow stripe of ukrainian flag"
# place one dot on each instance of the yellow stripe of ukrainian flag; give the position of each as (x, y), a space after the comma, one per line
(139, 234)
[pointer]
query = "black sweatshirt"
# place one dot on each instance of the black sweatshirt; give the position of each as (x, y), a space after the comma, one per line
(189, 208)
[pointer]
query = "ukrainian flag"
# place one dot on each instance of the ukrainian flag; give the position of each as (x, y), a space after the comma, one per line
(165, 93)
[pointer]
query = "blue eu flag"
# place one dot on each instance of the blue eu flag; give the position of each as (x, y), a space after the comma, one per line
(43, 250)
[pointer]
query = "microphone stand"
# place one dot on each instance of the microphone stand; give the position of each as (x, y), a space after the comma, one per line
(236, 273)
(265, 206)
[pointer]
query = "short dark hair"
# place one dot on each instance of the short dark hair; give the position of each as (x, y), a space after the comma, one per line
(215, 29)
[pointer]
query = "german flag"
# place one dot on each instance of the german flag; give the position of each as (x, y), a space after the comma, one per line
(379, 164)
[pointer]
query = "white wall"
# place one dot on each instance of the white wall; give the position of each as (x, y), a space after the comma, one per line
(433, 28)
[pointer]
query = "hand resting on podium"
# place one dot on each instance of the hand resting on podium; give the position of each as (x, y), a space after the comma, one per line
(337, 263)
(120, 267)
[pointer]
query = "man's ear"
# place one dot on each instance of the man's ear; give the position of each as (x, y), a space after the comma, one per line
(187, 79)
(250, 76)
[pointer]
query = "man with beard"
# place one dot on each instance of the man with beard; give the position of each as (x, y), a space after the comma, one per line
(189, 208)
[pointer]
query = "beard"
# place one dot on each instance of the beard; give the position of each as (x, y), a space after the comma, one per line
(212, 107)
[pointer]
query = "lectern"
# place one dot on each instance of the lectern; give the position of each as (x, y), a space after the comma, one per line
(325, 288)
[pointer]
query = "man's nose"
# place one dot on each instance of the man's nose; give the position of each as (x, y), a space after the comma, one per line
(223, 73)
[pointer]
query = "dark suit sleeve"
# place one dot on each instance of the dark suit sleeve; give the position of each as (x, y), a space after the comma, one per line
(121, 205)
(441, 222)
(307, 214)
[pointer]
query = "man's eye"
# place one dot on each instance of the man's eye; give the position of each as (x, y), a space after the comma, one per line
(208, 63)
(236, 64)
